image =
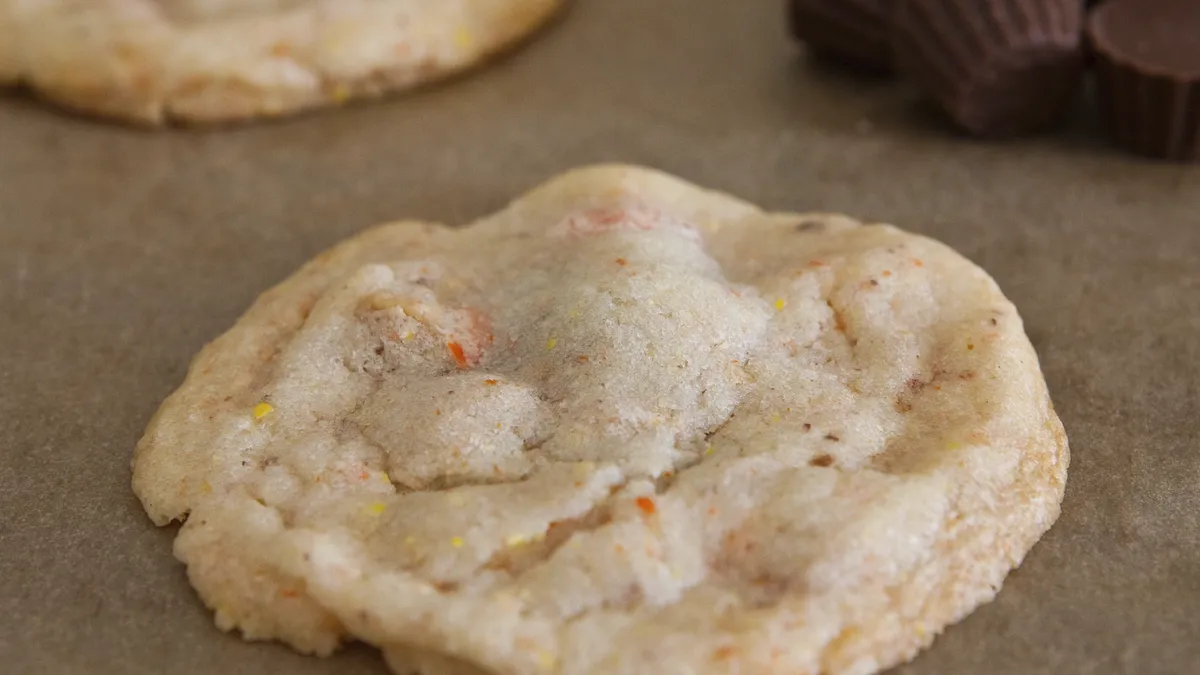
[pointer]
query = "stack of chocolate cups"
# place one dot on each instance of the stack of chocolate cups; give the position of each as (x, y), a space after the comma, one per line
(1005, 68)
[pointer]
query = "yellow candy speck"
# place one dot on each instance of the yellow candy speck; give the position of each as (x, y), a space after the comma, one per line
(340, 93)
(775, 419)
(262, 410)
(551, 343)
(463, 37)
(779, 304)
(516, 539)
(708, 450)
(376, 508)
(954, 445)
(456, 542)
(385, 477)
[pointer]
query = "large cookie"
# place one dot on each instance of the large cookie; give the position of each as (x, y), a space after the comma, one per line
(622, 426)
(154, 61)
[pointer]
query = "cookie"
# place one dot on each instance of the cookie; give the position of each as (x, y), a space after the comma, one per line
(997, 68)
(624, 425)
(202, 61)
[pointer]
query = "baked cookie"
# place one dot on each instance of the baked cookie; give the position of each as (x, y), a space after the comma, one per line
(155, 61)
(623, 426)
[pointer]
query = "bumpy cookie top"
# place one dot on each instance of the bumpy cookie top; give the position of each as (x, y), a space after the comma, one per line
(623, 426)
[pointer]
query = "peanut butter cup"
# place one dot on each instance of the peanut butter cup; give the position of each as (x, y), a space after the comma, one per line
(1148, 75)
(998, 68)
(854, 32)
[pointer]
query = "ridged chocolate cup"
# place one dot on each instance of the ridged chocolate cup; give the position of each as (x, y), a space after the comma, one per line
(1148, 75)
(854, 32)
(998, 68)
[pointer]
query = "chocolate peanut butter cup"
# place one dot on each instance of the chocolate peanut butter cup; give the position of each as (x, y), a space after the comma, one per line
(998, 68)
(854, 32)
(1148, 75)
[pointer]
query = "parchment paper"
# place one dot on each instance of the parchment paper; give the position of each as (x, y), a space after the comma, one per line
(122, 252)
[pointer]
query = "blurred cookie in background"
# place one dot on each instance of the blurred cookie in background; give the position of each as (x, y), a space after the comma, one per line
(206, 61)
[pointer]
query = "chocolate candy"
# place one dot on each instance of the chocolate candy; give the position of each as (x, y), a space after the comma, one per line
(856, 32)
(1148, 75)
(998, 68)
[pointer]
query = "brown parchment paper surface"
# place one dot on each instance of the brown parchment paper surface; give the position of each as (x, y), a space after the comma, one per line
(122, 252)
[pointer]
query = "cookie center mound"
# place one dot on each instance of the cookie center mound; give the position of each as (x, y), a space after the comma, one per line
(627, 347)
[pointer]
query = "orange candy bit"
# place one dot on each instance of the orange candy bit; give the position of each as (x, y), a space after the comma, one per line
(456, 350)
(289, 592)
(646, 505)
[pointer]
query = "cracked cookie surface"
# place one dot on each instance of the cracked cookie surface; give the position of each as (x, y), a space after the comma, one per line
(200, 61)
(624, 425)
